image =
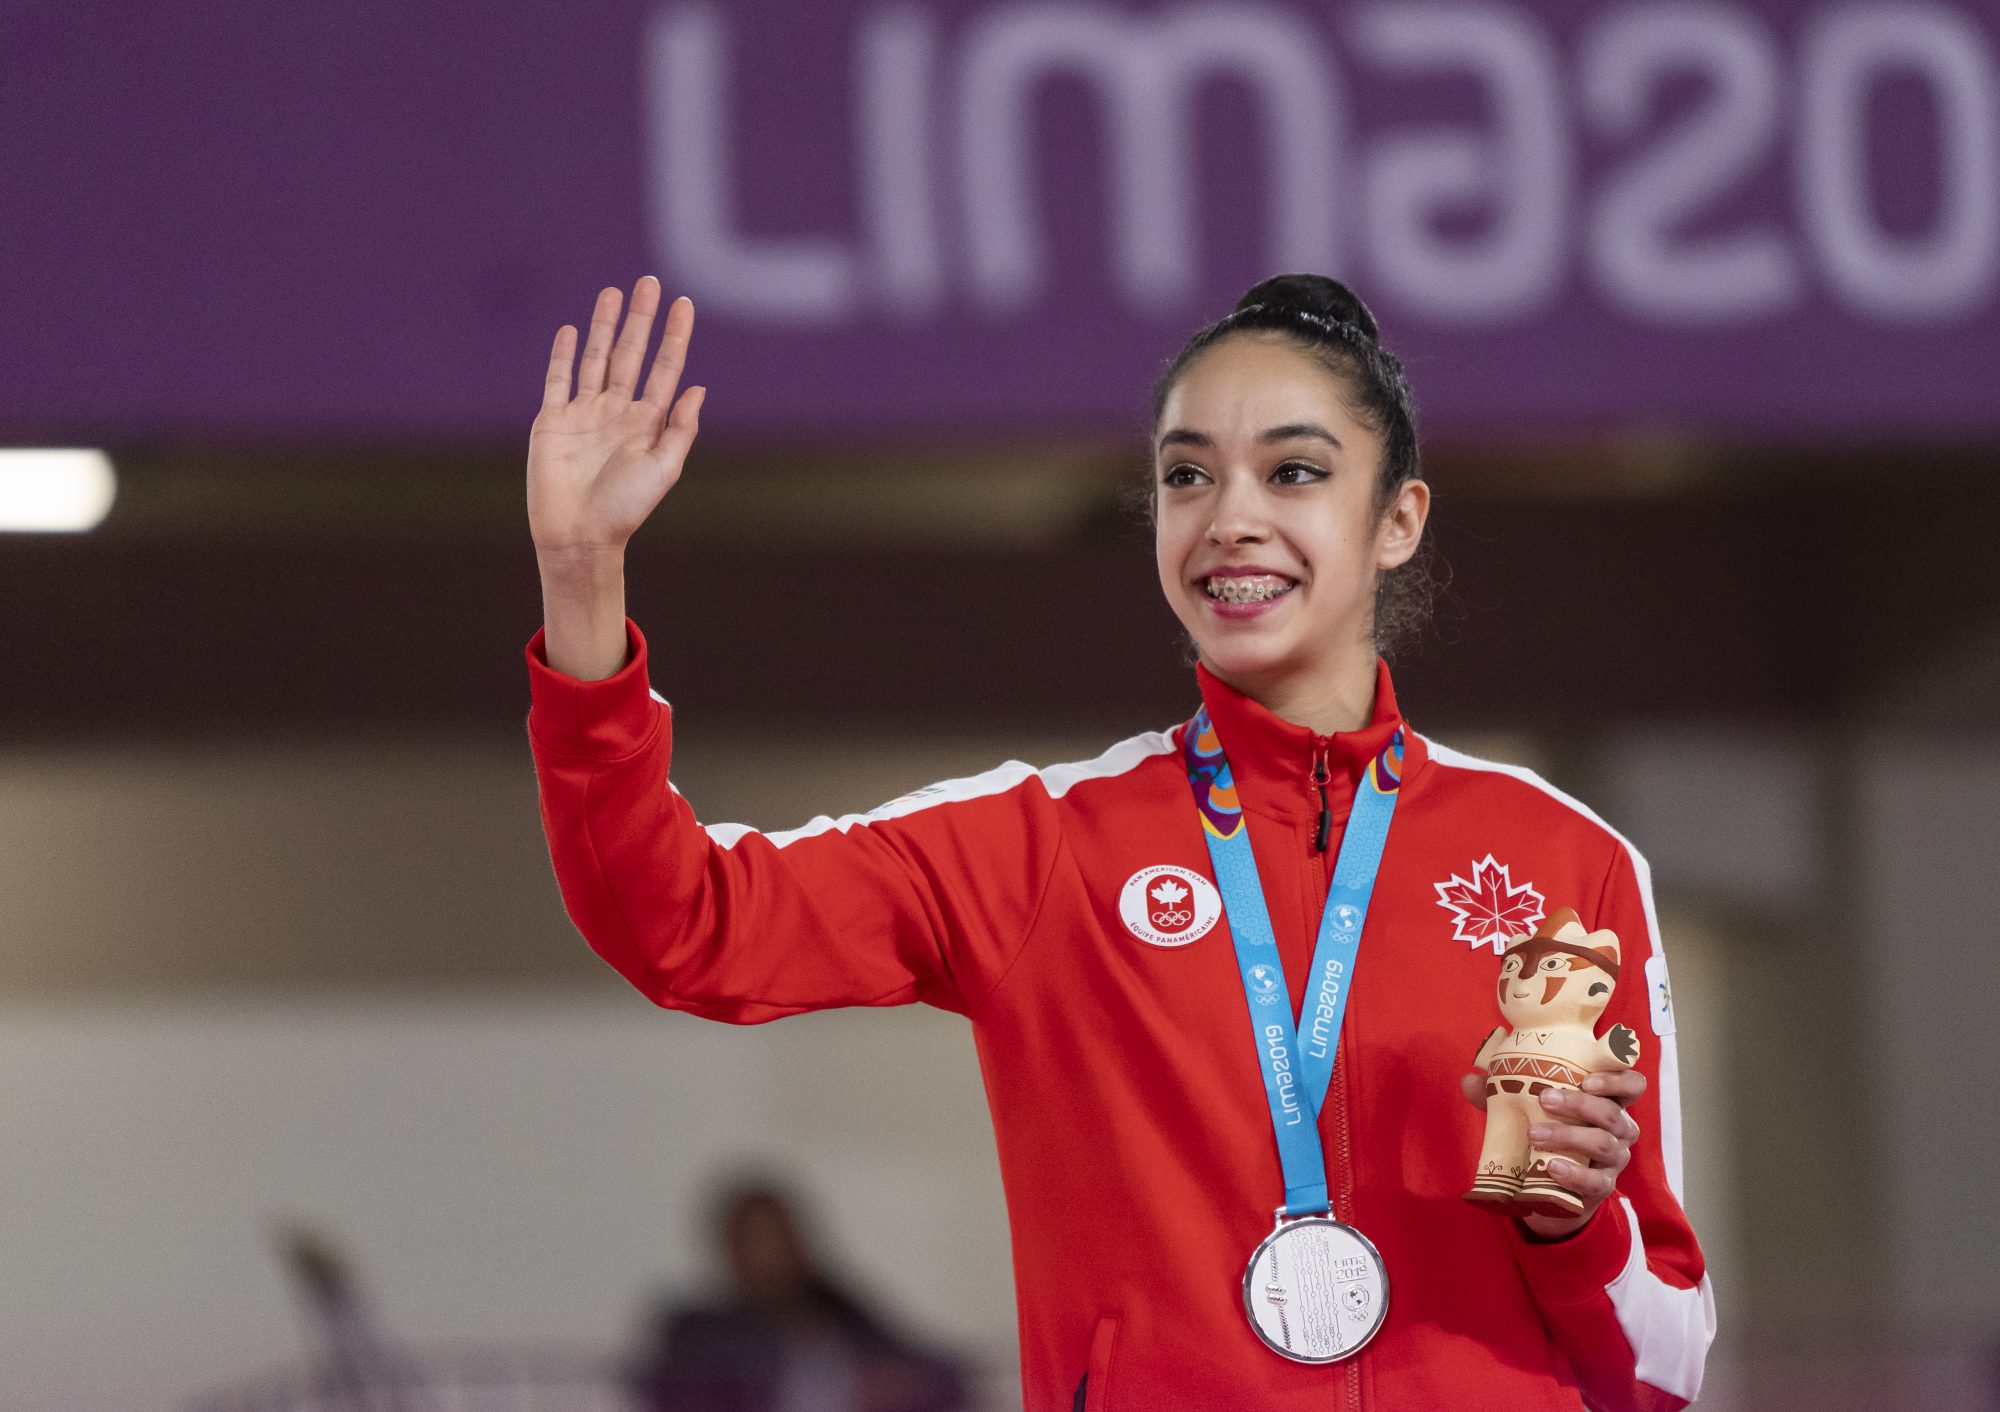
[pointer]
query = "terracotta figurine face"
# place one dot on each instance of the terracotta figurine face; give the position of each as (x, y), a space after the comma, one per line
(1539, 988)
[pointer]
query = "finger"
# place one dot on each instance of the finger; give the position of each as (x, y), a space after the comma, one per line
(672, 357)
(597, 348)
(1591, 1146)
(562, 360)
(1473, 1086)
(1621, 1086)
(1567, 1105)
(677, 436)
(1593, 1184)
(630, 352)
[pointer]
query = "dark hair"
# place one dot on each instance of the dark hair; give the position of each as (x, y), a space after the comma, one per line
(1328, 320)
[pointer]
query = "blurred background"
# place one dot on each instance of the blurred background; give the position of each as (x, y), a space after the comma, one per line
(300, 1060)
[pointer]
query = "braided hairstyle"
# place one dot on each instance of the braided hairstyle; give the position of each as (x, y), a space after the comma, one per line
(1326, 320)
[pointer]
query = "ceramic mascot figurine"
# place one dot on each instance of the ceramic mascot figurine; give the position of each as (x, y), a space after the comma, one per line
(1553, 987)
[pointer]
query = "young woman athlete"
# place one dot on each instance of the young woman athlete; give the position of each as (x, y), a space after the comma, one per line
(1224, 979)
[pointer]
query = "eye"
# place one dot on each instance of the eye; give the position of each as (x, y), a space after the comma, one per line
(1184, 474)
(1554, 963)
(1511, 966)
(1297, 473)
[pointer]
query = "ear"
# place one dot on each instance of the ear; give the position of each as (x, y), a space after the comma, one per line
(1402, 527)
(1605, 944)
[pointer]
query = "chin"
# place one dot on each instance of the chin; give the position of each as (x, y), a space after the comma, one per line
(1244, 663)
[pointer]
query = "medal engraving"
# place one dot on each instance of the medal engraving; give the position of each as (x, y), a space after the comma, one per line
(1315, 1290)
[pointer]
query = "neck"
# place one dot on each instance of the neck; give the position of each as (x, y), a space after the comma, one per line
(1330, 701)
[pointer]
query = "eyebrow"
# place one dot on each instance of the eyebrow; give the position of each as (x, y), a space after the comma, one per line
(1290, 431)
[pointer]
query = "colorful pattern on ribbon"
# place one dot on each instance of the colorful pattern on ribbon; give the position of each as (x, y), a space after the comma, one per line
(1385, 771)
(1208, 772)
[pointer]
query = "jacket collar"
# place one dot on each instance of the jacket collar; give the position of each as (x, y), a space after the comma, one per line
(1272, 759)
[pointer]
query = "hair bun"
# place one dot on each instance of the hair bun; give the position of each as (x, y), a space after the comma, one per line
(1317, 295)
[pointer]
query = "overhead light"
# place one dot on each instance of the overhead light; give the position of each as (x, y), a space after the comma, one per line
(55, 491)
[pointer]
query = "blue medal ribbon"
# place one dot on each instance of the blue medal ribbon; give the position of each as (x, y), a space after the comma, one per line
(1296, 1059)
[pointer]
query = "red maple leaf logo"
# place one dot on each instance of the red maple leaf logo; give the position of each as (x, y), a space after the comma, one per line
(1488, 908)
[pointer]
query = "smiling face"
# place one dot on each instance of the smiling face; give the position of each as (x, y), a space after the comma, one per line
(1269, 533)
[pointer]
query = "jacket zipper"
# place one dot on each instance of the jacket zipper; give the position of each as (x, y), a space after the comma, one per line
(1323, 831)
(1322, 836)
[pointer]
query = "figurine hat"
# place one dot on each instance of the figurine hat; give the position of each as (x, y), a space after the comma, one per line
(1563, 932)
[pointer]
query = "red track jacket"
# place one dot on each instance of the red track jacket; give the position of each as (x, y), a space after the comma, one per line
(1134, 1138)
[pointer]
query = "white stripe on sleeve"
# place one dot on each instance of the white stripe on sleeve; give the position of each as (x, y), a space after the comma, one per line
(1669, 1328)
(1058, 780)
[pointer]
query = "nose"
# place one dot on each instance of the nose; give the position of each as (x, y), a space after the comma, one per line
(1239, 514)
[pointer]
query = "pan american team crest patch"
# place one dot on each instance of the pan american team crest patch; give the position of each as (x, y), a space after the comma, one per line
(1489, 906)
(1169, 906)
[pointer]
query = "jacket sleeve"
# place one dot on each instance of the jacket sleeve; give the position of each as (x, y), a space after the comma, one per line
(928, 898)
(1627, 1298)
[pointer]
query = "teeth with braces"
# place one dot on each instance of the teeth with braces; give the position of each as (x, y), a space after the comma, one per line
(1247, 590)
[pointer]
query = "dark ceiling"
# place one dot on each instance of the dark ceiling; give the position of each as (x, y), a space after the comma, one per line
(241, 592)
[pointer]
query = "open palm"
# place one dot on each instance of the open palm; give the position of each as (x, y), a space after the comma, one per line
(601, 459)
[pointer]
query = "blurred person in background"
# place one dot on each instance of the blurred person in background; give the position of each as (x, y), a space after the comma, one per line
(786, 1335)
(1065, 910)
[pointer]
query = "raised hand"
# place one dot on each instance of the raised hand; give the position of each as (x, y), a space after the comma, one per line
(601, 459)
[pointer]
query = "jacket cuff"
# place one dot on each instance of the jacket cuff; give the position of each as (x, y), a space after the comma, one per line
(1580, 1266)
(605, 720)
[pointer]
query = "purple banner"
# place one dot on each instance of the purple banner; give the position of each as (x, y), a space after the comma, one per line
(367, 220)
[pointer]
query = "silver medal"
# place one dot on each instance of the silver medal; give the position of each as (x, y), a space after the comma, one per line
(1316, 1290)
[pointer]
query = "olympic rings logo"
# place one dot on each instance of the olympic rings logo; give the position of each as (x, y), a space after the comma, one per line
(1179, 917)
